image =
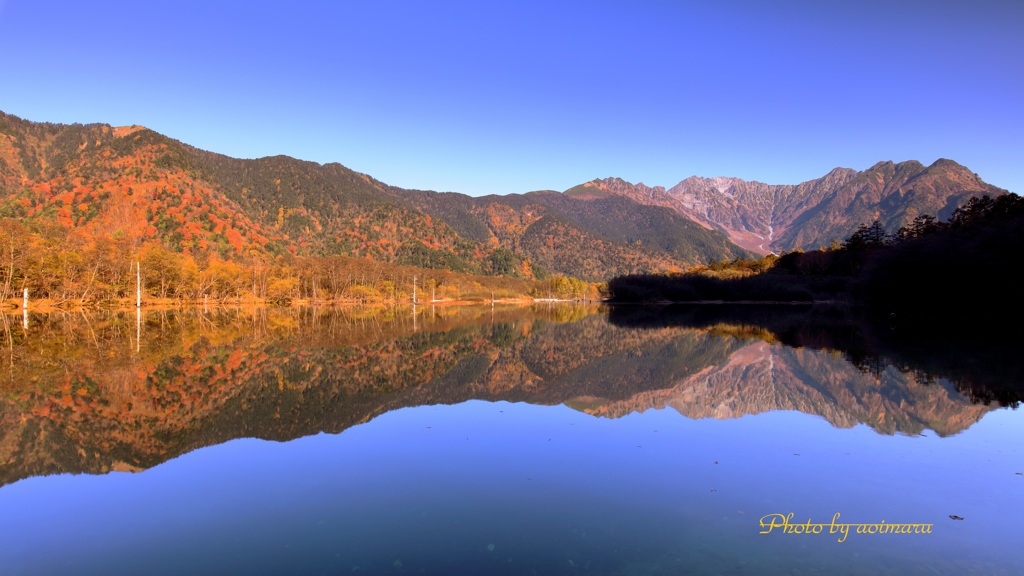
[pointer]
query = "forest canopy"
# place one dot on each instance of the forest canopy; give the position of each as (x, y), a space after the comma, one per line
(954, 270)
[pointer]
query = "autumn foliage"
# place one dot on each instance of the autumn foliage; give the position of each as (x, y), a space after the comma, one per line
(84, 208)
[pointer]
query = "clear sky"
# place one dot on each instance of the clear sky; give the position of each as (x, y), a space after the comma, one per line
(495, 97)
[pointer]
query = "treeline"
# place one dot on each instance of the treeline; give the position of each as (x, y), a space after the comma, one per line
(69, 269)
(981, 364)
(962, 269)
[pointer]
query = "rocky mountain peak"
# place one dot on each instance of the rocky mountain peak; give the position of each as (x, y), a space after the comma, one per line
(772, 218)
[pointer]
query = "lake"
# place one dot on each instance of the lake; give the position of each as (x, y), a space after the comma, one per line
(552, 439)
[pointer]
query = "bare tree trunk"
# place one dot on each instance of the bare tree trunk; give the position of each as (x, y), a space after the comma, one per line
(88, 287)
(10, 273)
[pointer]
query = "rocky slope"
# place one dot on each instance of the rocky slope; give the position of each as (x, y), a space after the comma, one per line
(773, 217)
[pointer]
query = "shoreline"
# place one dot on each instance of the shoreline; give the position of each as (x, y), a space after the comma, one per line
(13, 307)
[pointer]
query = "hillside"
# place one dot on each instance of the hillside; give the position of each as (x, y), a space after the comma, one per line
(126, 187)
(593, 238)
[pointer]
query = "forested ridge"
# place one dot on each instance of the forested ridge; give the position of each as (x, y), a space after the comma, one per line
(82, 205)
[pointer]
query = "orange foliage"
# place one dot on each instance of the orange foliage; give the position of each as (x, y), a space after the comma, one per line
(235, 239)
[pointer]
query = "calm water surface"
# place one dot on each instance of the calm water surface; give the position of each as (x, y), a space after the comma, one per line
(480, 441)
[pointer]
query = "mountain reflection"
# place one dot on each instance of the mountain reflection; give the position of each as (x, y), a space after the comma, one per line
(116, 391)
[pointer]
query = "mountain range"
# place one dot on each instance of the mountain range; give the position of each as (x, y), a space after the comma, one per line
(772, 218)
(133, 185)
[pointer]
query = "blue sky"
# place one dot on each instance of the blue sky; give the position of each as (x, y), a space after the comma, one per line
(499, 97)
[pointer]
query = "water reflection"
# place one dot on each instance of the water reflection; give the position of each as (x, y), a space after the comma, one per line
(514, 489)
(101, 392)
(488, 440)
(984, 364)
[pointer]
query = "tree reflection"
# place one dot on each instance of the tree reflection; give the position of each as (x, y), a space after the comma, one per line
(116, 391)
(981, 364)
